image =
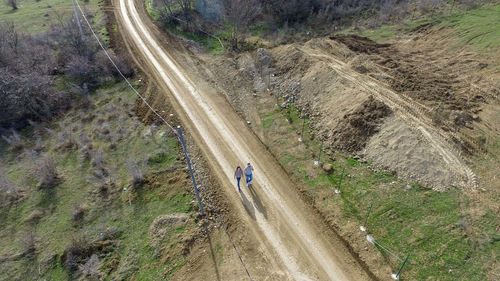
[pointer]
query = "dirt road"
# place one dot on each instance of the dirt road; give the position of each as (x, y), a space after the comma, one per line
(287, 230)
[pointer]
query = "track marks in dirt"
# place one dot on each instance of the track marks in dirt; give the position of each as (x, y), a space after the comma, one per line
(412, 112)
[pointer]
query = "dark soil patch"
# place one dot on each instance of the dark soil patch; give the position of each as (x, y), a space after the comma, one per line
(433, 78)
(356, 128)
(360, 44)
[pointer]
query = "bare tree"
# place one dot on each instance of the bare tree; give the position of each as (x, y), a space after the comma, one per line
(171, 13)
(240, 14)
(185, 7)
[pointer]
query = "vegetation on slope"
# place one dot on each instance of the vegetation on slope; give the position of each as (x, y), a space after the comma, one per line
(87, 191)
(111, 178)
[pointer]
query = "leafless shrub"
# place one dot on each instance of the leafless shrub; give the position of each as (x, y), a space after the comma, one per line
(31, 154)
(112, 113)
(77, 250)
(86, 152)
(428, 6)
(9, 192)
(35, 216)
(14, 140)
(90, 269)
(28, 243)
(84, 140)
(47, 172)
(469, 4)
(66, 138)
(7, 186)
(39, 145)
(12, 4)
(35, 125)
(78, 212)
(136, 173)
(97, 157)
(105, 181)
(107, 233)
(104, 128)
(124, 63)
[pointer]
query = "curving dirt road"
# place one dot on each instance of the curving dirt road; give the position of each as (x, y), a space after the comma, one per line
(287, 230)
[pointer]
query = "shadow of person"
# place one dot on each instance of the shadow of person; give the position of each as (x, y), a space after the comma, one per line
(212, 253)
(257, 201)
(248, 205)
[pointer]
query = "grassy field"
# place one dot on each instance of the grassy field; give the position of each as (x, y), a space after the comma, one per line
(125, 215)
(37, 16)
(446, 240)
(478, 28)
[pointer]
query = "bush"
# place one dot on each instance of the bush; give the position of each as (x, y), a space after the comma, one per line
(8, 190)
(35, 216)
(46, 172)
(14, 140)
(77, 250)
(90, 270)
(136, 173)
(78, 212)
(98, 160)
(28, 243)
(30, 64)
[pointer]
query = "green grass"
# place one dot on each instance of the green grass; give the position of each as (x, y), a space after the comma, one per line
(406, 218)
(131, 218)
(37, 16)
(478, 28)
(268, 121)
(381, 34)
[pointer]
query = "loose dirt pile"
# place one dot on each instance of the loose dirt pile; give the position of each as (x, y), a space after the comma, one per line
(444, 85)
(356, 128)
(398, 149)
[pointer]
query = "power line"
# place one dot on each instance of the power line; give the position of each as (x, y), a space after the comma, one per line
(218, 215)
(119, 71)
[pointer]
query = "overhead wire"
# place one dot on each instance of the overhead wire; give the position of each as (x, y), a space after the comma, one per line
(119, 71)
(218, 215)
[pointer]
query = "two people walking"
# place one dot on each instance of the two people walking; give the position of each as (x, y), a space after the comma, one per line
(238, 174)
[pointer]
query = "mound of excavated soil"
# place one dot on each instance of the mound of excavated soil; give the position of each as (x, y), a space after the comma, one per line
(349, 85)
(397, 148)
(444, 83)
(355, 129)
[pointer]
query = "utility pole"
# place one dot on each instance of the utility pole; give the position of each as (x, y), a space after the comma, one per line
(77, 18)
(181, 137)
